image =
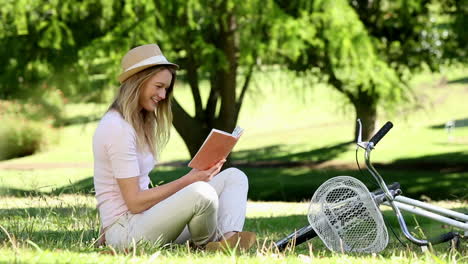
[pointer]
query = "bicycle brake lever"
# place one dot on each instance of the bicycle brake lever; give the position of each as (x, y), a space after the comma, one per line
(360, 143)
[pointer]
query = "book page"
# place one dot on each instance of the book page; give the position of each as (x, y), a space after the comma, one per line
(237, 131)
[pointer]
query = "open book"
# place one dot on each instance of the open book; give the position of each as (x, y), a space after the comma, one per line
(216, 147)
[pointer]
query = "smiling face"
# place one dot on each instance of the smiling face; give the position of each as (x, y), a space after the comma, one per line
(155, 90)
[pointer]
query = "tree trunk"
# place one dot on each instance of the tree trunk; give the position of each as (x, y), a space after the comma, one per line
(194, 130)
(365, 104)
(227, 114)
(366, 110)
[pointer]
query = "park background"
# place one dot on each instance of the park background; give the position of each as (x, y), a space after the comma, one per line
(294, 74)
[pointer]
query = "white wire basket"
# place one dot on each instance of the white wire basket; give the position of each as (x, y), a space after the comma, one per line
(344, 215)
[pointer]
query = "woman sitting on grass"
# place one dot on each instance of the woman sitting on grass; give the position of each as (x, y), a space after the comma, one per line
(206, 207)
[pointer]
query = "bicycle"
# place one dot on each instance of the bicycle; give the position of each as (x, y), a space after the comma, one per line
(346, 216)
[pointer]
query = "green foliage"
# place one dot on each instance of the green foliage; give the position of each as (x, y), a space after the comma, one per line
(367, 50)
(26, 127)
(191, 31)
(409, 34)
(332, 39)
(44, 105)
(20, 137)
(71, 45)
(456, 14)
(76, 46)
(220, 42)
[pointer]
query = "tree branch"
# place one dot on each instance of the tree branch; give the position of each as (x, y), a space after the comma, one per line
(212, 98)
(333, 80)
(192, 77)
(182, 119)
(240, 100)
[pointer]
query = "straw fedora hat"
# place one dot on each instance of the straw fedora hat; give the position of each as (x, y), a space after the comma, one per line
(140, 58)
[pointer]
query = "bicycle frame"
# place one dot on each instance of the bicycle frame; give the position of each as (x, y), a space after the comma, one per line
(397, 202)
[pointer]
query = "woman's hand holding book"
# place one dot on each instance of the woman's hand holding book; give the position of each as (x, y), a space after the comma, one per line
(205, 175)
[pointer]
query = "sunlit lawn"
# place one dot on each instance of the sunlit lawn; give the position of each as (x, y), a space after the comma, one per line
(301, 125)
(62, 229)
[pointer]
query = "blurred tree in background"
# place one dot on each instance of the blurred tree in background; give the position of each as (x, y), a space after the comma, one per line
(74, 46)
(218, 41)
(56, 50)
(456, 16)
(329, 38)
(367, 50)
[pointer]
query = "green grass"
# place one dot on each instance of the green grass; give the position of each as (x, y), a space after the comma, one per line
(41, 180)
(61, 229)
(157, 257)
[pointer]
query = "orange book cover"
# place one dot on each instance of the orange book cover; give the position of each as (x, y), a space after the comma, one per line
(216, 147)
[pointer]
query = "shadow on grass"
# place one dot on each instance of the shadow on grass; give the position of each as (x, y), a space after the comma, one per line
(446, 162)
(278, 155)
(462, 80)
(299, 184)
(456, 123)
(4, 191)
(280, 178)
(82, 119)
(84, 186)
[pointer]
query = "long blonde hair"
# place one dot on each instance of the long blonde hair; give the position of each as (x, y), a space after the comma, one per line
(152, 128)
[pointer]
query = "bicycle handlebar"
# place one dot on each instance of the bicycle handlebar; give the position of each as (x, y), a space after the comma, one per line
(442, 238)
(381, 133)
(388, 195)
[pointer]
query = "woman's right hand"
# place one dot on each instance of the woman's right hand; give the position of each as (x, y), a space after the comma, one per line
(204, 175)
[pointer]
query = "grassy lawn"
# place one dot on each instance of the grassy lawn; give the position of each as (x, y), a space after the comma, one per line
(311, 126)
(61, 229)
(308, 125)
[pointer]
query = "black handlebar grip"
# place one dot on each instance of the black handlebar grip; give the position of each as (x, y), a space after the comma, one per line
(381, 133)
(298, 237)
(442, 238)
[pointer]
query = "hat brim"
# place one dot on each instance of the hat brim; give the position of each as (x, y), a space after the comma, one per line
(126, 74)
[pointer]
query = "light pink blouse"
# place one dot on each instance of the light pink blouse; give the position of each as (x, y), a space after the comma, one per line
(116, 156)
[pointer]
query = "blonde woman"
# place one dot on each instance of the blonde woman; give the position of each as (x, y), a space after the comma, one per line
(204, 207)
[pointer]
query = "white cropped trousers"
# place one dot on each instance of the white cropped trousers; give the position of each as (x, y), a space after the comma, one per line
(201, 212)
